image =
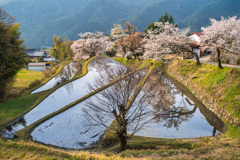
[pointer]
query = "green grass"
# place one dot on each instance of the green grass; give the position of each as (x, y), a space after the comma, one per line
(15, 107)
(223, 84)
(127, 61)
(24, 78)
(136, 64)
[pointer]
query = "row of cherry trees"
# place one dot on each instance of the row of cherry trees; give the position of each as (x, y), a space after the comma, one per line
(124, 41)
(161, 39)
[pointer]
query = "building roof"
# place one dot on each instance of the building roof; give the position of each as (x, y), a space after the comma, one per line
(37, 64)
(30, 50)
(37, 54)
(34, 53)
(197, 33)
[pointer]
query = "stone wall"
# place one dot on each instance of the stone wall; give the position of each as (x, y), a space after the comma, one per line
(201, 94)
(228, 58)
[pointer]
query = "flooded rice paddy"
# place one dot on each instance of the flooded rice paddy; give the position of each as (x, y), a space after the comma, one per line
(63, 95)
(66, 73)
(173, 113)
(75, 131)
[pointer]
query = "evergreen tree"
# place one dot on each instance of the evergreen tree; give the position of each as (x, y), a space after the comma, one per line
(163, 19)
(12, 57)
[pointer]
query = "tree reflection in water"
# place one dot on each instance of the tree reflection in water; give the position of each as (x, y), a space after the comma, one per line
(170, 106)
(68, 72)
(164, 102)
(11, 129)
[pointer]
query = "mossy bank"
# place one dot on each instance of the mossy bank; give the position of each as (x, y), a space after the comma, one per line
(217, 89)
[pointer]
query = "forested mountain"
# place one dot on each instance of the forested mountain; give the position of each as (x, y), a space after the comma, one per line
(179, 9)
(40, 19)
(215, 10)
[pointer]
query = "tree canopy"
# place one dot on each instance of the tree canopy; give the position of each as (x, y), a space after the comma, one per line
(12, 57)
(128, 42)
(61, 50)
(90, 45)
(165, 18)
(220, 36)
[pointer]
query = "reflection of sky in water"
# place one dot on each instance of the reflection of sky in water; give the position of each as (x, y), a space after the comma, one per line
(66, 73)
(68, 130)
(196, 126)
(63, 95)
(183, 126)
(75, 131)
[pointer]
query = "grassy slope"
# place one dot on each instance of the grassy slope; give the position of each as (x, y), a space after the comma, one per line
(30, 150)
(139, 147)
(24, 78)
(223, 85)
(13, 108)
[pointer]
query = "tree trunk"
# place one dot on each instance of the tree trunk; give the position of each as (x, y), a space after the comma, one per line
(123, 139)
(219, 59)
(197, 58)
(214, 132)
(136, 57)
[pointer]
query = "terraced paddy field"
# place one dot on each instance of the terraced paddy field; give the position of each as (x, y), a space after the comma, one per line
(180, 126)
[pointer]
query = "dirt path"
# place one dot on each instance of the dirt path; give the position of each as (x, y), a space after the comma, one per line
(205, 59)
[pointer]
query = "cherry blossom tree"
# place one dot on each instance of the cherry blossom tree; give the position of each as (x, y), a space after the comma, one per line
(163, 40)
(129, 28)
(220, 35)
(117, 36)
(90, 45)
(134, 44)
(128, 42)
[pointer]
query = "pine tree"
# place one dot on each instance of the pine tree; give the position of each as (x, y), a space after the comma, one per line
(163, 19)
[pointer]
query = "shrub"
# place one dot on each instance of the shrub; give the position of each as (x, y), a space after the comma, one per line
(238, 61)
(34, 83)
(227, 61)
(51, 64)
(50, 71)
(47, 72)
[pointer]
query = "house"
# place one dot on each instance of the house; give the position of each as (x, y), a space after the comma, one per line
(195, 42)
(33, 54)
(37, 66)
(49, 58)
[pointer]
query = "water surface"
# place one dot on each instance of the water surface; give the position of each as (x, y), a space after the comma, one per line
(175, 115)
(76, 133)
(171, 114)
(63, 95)
(66, 73)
